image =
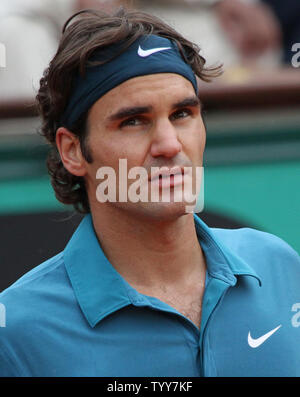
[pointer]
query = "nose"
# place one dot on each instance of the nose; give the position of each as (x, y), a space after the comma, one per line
(165, 141)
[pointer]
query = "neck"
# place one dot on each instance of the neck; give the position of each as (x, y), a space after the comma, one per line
(151, 253)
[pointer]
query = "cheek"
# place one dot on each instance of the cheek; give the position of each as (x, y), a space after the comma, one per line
(201, 136)
(194, 140)
(107, 152)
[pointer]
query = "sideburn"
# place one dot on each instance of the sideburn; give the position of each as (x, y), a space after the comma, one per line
(81, 129)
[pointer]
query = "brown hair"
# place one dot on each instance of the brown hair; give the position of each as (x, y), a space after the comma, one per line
(91, 30)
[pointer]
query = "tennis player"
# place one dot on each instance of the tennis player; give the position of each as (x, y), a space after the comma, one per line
(144, 287)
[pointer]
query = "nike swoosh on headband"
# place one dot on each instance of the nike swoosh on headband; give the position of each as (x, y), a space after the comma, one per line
(259, 341)
(145, 53)
(128, 64)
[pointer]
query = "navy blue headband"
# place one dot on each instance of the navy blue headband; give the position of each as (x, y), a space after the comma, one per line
(147, 55)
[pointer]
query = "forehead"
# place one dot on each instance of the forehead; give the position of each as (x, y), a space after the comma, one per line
(146, 90)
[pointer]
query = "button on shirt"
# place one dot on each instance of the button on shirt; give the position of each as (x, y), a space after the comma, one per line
(74, 315)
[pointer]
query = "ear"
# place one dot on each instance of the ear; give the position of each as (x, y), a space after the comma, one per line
(69, 149)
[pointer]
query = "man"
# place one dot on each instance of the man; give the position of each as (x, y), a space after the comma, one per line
(276, 25)
(263, 31)
(143, 288)
(288, 15)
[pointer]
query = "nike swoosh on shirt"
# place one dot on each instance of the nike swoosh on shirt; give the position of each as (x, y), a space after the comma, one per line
(145, 53)
(259, 341)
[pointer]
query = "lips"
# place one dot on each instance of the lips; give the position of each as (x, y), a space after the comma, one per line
(165, 172)
(167, 177)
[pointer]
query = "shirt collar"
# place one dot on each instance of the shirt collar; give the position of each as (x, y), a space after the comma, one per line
(221, 262)
(100, 290)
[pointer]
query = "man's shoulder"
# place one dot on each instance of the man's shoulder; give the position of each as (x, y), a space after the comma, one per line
(39, 296)
(35, 286)
(272, 259)
(32, 307)
(258, 247)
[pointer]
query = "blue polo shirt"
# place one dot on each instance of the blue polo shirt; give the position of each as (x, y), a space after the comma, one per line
(74, 315)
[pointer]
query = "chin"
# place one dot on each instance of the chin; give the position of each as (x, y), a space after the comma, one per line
(158, 211)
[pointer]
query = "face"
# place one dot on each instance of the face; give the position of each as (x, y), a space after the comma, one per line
(150, 121)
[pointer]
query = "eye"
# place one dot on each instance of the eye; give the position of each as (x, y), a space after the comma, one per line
(132, 122)
(181, 114)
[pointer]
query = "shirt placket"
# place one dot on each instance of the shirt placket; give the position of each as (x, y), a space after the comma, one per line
(214, 293)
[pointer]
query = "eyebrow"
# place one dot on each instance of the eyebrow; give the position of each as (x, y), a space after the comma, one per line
(136, 110)
(191, 101)
(130, 111)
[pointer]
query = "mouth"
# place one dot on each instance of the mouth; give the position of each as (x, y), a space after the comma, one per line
(167, 177)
